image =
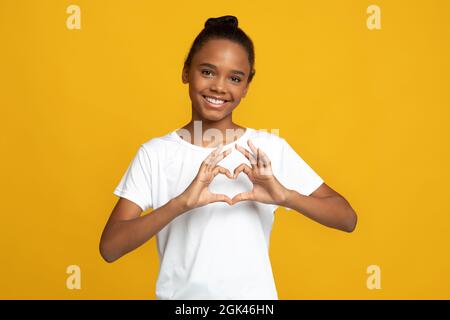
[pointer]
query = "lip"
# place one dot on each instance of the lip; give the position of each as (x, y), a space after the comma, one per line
(214, 106)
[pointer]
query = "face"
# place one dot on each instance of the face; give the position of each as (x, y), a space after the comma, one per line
(217, 78)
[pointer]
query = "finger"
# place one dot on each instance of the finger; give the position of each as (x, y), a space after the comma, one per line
(220, 157)
(219, 169)
(221, 198)
(242, 197)
(259, 163)
(256, 151)
(266, 168)
(213, 154)
(247, 154)
(259, 153)
(242, 167)
(208, 160)
(252, 146)
(265, 159)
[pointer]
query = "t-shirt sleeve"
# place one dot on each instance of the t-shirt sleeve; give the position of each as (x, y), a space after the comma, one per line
(295, 173)
(136, 183)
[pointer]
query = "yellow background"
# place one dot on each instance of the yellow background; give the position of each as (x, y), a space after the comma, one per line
(368, 110)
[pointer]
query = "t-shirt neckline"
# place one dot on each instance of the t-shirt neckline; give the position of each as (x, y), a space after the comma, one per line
(196, 147)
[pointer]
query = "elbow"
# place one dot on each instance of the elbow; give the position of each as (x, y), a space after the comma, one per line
(108, 259)
(106, 254)
(351, 222)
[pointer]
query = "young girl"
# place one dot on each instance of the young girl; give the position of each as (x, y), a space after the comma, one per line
(214, 185)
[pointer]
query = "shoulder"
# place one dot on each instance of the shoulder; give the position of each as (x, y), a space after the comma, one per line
(164, 149)
(158, 144)
(267, 138)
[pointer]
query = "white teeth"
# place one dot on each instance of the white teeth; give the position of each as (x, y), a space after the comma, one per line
(214, 101)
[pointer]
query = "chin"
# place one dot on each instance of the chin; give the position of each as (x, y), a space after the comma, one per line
(212, 115)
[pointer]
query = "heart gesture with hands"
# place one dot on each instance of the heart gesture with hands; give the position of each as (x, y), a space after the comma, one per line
(266, 187)
(197, 193)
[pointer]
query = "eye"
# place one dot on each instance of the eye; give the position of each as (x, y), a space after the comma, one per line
(209, 72)
(203, 72)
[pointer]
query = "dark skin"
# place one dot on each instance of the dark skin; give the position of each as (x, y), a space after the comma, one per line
(328, 207)
(226, 62)
(220, 69)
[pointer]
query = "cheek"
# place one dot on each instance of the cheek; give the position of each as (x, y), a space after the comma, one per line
(199, 83)
(238, 93)
(194, 91)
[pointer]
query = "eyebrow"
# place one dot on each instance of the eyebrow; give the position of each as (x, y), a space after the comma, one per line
(214, 67)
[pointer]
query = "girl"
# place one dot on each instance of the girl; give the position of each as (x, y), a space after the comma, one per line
(212, 222)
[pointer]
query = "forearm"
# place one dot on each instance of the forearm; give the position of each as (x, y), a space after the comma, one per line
(124, 236)
(334, 212)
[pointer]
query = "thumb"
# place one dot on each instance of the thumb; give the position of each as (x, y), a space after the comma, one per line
(221, 198)
(242, 197)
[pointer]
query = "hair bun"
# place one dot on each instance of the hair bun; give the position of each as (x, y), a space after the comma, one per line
(224, 20)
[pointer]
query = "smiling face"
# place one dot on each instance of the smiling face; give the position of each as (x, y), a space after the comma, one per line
(217, 78)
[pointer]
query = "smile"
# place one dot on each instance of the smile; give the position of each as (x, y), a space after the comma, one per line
(214, 101)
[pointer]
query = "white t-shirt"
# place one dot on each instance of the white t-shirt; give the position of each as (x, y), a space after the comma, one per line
(216, 251)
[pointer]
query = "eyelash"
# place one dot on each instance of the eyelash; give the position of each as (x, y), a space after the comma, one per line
(232, 77)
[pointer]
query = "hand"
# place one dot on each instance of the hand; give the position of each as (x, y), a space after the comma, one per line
(266, 188)
(197, 193)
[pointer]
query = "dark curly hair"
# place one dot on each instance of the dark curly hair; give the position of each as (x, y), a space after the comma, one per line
(225, 27)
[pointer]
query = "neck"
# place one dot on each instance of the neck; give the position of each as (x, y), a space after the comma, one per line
(223, 131)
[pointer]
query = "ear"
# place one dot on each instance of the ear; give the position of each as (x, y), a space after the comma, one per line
(185, 75)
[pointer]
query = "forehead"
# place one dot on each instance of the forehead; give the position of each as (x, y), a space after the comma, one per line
(224, 54)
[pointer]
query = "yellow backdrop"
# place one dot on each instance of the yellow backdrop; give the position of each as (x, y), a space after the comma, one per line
(368, 109)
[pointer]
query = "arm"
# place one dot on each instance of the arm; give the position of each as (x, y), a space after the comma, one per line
(324, 206)
(126, 229)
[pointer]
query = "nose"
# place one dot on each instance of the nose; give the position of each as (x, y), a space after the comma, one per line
(218, 85)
